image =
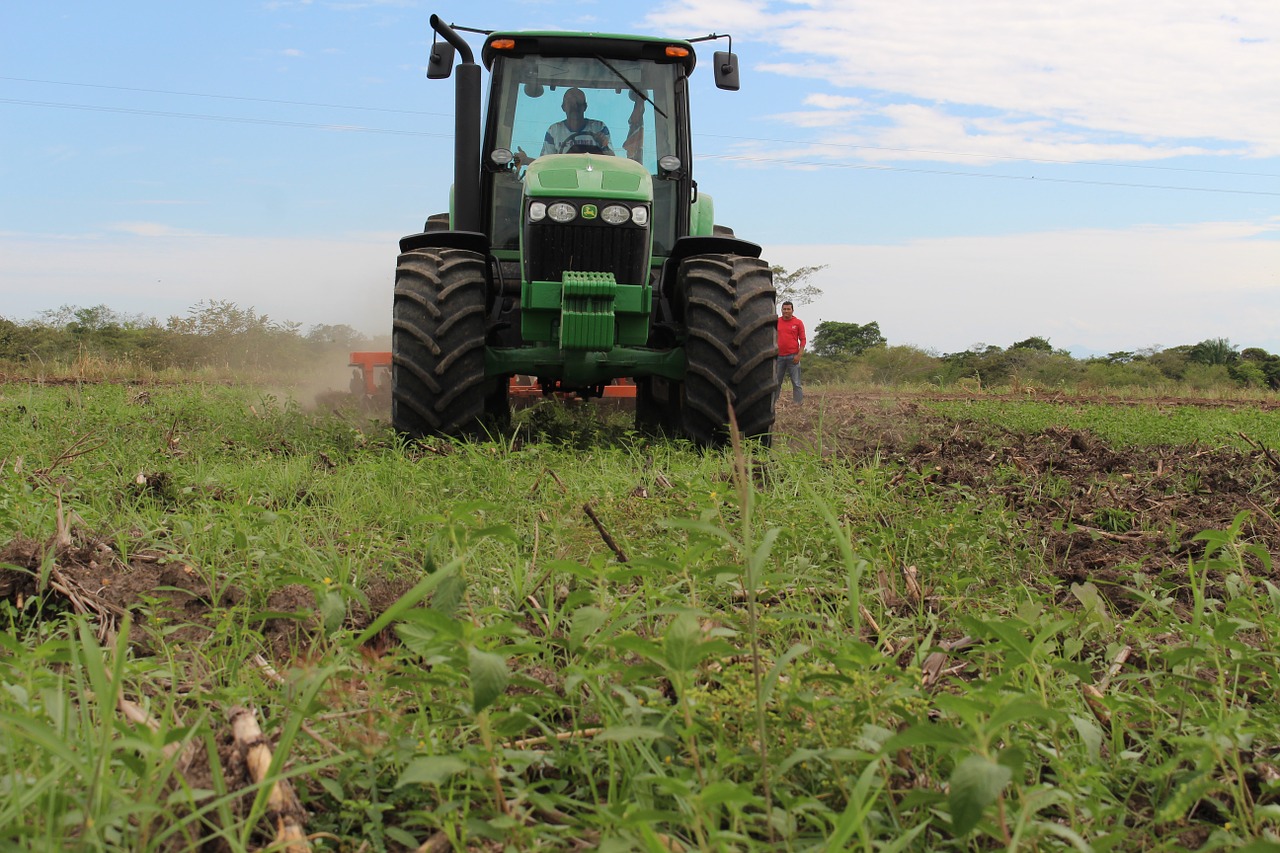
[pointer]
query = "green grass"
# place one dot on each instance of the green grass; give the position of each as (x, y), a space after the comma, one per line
(1124, 425)
(757, 675)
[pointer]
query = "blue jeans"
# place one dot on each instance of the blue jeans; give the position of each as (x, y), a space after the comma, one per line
(788, 366)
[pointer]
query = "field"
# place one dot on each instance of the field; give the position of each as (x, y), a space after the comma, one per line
(232, 622)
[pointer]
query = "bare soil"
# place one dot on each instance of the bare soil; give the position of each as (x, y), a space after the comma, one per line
(1102, 512)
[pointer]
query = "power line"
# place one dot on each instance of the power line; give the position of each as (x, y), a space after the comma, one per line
(827, 164)
(977, 155)
(837, 145)
(819, 164)
(224, 97)
(349, 128)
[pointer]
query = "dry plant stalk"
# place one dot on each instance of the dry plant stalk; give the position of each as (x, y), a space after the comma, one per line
(1093, 695)
(875, 628)
(935, 665)
(135, 713)
(282, 804)
(438, 843)
(543, 740)
(1112, 671)
(912, 577)
(269, 672)
(604, 534)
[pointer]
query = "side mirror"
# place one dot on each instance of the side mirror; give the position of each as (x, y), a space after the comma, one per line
(440, 65)
(726, 68)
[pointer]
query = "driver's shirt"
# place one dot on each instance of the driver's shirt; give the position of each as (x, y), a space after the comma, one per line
(559, 137)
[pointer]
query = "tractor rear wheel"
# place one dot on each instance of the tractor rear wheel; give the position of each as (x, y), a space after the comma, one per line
(438, 386)
(731, 349)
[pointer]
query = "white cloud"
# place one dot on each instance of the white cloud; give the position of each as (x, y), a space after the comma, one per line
(151, 229)
(833, 102)
(812, 118)
(1170, 74)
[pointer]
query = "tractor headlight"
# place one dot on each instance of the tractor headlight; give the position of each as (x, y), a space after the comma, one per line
(561, 212)
(615, 214)
(640, 216)
(537, 211)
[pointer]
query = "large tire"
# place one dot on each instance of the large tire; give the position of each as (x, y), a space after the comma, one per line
(438, 386)
(731, 349)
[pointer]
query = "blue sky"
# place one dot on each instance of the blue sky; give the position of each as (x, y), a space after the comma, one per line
(1104, 175)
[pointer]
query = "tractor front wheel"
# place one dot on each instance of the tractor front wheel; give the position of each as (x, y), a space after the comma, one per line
(731, 348)
(438, 386)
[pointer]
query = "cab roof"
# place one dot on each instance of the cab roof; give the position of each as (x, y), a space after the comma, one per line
(607, 45)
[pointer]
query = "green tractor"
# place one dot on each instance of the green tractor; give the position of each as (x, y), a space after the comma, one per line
(578, 249)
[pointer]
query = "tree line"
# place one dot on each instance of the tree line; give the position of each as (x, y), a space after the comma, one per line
(859, 352)
(214, 333)
(221, 334)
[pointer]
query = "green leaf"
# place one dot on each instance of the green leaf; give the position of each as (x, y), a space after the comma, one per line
(18, 728)
(489, 678)
(333, 609)
(645, 648)
(802, 755)
(725, 792)
(858, 806)
(431, 770)
(1094, 604)
(448, 595)
(684, 646)
(926, 734)
(585, 622)
(1011, 636)
(1190, 788)
(431, 635)
(1019, 710)
(405, 839)
(975, 784)
(680, 643)
(775, 672)
(1090, 735)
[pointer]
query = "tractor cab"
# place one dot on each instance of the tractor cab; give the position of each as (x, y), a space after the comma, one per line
(636, 109)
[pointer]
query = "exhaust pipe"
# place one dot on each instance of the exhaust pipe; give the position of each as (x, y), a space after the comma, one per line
(466, 132)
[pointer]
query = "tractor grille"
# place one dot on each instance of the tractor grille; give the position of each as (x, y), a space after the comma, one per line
(553, 249)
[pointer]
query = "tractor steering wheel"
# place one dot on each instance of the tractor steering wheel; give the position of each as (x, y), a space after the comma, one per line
(581, 142)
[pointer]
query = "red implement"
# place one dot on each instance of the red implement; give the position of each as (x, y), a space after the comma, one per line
(369, 364)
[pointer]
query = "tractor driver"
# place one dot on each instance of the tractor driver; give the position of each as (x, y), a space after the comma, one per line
(576, 134)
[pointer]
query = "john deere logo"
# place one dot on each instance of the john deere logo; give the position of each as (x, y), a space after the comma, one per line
(589, 211)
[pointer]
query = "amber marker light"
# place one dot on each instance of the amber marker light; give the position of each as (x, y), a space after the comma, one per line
(503, 44)
(676, 52)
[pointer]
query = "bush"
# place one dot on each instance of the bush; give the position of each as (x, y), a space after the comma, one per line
(1207, 377)
(1098, 375)
(899, 365)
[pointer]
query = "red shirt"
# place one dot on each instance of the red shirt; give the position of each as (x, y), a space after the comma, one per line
(791, 339)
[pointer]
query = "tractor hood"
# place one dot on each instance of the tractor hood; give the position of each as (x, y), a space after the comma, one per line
(588, 175)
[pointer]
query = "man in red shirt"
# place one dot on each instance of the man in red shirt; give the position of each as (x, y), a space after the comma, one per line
(791, 344)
